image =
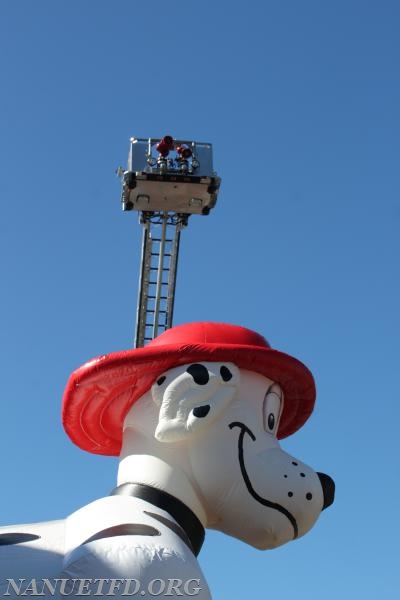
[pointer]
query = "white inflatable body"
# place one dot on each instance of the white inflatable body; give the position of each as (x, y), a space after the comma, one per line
(199, 449)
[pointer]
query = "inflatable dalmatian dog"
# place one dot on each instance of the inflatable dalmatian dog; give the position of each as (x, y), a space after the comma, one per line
(195, 417)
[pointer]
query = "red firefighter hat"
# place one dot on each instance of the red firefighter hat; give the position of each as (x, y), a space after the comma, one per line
(100, 393)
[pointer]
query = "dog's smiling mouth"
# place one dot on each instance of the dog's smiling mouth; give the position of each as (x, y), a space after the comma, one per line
(243, 430)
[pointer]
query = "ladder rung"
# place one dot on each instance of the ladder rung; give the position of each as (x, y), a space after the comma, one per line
(156, 269)
(161, 297)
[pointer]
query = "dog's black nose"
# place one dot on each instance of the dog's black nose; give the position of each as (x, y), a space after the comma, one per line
(328, 488)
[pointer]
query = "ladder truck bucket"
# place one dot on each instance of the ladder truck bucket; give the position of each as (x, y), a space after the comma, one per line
(164, 174)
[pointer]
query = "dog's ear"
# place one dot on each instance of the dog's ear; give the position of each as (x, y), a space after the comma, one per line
(192, 396)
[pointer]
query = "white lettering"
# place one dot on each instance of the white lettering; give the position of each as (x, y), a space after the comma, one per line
(47, 584)
(156, 587)
(162, 587)
(83, 585)
(63, 585)
(196, 590)
(114, 585)
(100, 586)
(171, 587)
(14, 586)
(127, 586)
(32, 587)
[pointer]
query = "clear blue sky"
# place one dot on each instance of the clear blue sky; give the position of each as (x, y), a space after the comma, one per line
(301, 102)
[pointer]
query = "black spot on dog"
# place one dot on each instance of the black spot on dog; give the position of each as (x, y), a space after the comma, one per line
(123, 529)
(8, 539)
(161, 380)
(199, 374)
(201, 411)
(225, 373)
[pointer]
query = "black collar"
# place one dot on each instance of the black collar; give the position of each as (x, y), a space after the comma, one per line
(186, 519)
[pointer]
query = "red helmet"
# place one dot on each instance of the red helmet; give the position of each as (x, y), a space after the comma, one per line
(100, 393)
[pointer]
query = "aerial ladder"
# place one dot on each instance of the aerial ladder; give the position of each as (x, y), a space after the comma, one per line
(167, 180)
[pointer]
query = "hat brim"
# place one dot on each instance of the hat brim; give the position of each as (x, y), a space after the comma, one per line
(100, 393)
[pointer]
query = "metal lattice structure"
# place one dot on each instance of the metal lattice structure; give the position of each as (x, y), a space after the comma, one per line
(166, 181)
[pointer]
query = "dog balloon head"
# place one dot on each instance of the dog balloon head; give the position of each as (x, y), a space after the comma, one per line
(218, 424)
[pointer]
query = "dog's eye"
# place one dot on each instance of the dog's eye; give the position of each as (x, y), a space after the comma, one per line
(271, 421)
(272, 408)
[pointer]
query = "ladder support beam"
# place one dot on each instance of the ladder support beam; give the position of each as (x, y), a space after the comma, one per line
(160, 252)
